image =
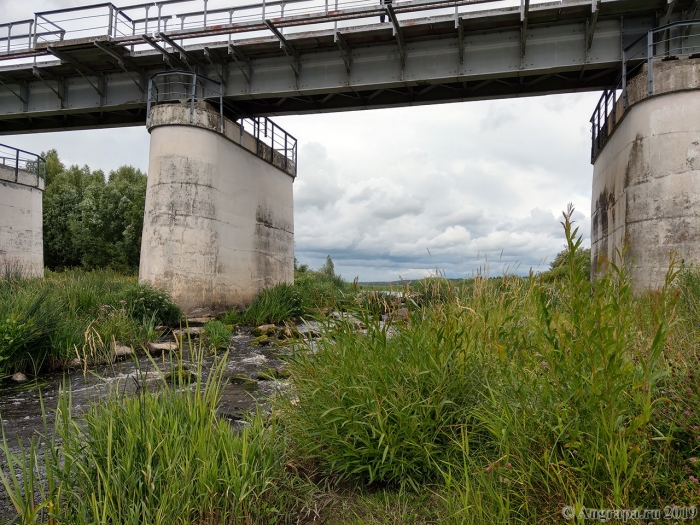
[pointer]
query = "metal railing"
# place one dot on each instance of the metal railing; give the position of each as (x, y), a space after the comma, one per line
(670, 42)
(181, 86)
(22, 167)
(190, 88)
(268, 133)
(200, 19)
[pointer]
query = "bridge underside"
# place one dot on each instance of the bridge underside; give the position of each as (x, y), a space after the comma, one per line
(100, 82)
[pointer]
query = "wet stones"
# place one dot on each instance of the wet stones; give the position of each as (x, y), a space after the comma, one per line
(192, 331)
(273, 374)
(180, 376)
(160, 348)
(121, 351)
(269, 330)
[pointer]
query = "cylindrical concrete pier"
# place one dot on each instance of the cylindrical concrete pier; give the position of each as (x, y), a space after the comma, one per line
(21, 228)
(646, 179)
(219, 219)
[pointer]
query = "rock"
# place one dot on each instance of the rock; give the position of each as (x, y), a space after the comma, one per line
(270, 374)
(250, 385)
(311, 334)
(121, 350)
(75, 362)
(199, 321)
(401, 314)
(160, 328)
(19, 377)
(192, 331)
(266, 329)
(159, 348)
(263, 340)
(238, 379)
(180, 376)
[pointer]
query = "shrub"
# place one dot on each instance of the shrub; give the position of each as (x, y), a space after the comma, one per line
(385, 406)
(161, 458)
(218, 334)
(144, 300)
(274, 305)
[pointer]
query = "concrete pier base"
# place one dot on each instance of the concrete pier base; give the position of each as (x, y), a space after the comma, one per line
(646, 179)
(21, 228)
(219, 223)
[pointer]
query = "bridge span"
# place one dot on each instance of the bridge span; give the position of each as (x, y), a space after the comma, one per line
(88, 67)
(204, 75)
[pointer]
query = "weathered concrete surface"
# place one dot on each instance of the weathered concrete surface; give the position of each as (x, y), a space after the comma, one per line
(21, 229)
(219, 220)
(646, 180)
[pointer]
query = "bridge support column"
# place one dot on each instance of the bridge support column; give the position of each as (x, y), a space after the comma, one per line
(21, 229)
(218, 224)
(646, 179)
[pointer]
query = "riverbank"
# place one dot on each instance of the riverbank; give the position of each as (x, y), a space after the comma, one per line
(496, 401)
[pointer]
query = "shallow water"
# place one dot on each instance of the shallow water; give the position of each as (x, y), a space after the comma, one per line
(20, 404)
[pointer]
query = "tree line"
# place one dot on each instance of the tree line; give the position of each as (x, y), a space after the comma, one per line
(92, 221)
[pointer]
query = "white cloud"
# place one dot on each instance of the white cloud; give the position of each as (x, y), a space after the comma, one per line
(401, 192)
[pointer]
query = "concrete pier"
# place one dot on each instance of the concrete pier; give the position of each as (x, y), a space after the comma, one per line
(646, 179)
(219, 218)
(21, 228)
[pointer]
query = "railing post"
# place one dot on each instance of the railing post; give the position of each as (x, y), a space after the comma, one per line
(650, 62)
(16, 165)
(36, 27)
(263, 11)
(194, 92)
(624, 82)
(285, 151)
(160, 9)
(9, 36)
(110, 21)
(598, 125)
(148, 103)
(221, 107)
(116, 22)
(205, 14)
(145, 27)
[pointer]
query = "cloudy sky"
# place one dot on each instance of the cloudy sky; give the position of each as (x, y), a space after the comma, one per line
(402, 192)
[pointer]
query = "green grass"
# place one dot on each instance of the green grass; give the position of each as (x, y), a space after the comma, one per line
(218, 334)
(157, 457)
(497, 401)
(311, 292)
(44, 322)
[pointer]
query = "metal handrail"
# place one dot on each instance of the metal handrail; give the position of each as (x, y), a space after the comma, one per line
(186, 86)
(126, 24)
(614, 101)
(265, 131)
(18, 160)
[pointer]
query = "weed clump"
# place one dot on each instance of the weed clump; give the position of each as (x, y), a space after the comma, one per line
(161, 458)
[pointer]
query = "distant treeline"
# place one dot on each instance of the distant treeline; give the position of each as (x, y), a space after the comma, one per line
(92, 221)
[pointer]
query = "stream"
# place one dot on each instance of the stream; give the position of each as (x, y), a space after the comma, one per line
(20, 403)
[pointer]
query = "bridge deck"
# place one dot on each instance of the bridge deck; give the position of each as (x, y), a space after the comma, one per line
(318, 59)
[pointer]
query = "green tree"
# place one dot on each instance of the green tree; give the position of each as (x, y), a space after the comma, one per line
(328, 268)
(110, 223)
(92, 222)
(62, 199)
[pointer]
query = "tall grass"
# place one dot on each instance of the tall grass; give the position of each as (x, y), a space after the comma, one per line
(521, 395)
(46, 321)
(156, 457)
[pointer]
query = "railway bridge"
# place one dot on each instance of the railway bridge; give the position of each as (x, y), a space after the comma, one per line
(206, 75)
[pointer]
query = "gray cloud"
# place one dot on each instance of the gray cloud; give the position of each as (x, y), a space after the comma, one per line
(461, 188)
